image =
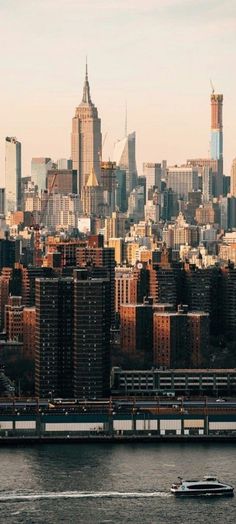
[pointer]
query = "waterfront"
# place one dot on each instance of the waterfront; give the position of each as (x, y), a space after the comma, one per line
(108, 483)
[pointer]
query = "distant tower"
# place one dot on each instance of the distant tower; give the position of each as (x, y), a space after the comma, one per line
(125, 158)
(216, 126)
(86, 138)
(233, 178)
(217, 139)
(13, 173)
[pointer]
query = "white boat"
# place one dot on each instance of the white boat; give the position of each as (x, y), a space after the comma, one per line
(206, 486)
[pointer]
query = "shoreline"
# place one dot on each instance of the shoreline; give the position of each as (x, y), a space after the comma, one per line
(114, 439)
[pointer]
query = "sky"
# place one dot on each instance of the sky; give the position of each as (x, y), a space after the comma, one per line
(158, 56)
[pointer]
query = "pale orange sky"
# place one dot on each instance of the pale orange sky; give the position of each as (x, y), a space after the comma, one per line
(159, 55)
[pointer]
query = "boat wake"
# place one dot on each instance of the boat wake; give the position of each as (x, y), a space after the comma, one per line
(16, 496)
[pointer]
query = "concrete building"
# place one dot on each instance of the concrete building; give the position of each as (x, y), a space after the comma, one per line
(86, 138)
(174, 235)
(14, 319)
(115, 226)
(63, 181)
(131, 285)
(180, 338)
(215, 167)
(99, 257)
(118, 245)
(136, 204)
(206, 214)
(136, 330)
(29, 325)
(54, 337)
(12, 174)
(92, 322)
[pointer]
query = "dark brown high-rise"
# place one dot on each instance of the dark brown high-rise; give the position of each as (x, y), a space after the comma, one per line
(92, 320)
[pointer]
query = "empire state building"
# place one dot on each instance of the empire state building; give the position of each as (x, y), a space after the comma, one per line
(86, 138)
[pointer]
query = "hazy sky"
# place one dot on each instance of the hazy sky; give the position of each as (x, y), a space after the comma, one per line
(159, 55)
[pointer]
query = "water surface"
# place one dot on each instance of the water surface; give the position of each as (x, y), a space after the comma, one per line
(112, 483)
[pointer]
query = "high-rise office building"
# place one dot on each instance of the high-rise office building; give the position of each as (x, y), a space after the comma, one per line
(86, 138)
(182, 180)
(124, 156)
(120, 192)
(12, 174)
(39, 169)
(153, 175)
(92, 320)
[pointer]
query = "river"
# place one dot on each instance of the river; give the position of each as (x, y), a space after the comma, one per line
(112, 483)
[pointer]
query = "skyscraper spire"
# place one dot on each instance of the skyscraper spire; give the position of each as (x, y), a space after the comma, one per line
(86, 91)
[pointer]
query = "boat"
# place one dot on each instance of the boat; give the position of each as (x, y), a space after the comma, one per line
(206, 486)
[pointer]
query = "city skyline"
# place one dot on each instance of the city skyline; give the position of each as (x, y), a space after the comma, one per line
(170, 112)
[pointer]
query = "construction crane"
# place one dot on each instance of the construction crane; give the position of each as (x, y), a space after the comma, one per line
(36, 226)
(212, 87)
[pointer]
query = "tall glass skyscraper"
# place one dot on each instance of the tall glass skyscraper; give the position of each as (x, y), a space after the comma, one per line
(39, 169)
(124, 156)
(13, 173)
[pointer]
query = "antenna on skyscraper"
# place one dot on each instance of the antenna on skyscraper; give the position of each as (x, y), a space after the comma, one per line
(126, 118)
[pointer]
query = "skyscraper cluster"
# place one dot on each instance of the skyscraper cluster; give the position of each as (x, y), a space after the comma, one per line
(103, 265)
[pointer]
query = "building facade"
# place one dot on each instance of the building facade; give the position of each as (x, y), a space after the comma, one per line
(92, 321)
(12, 174)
